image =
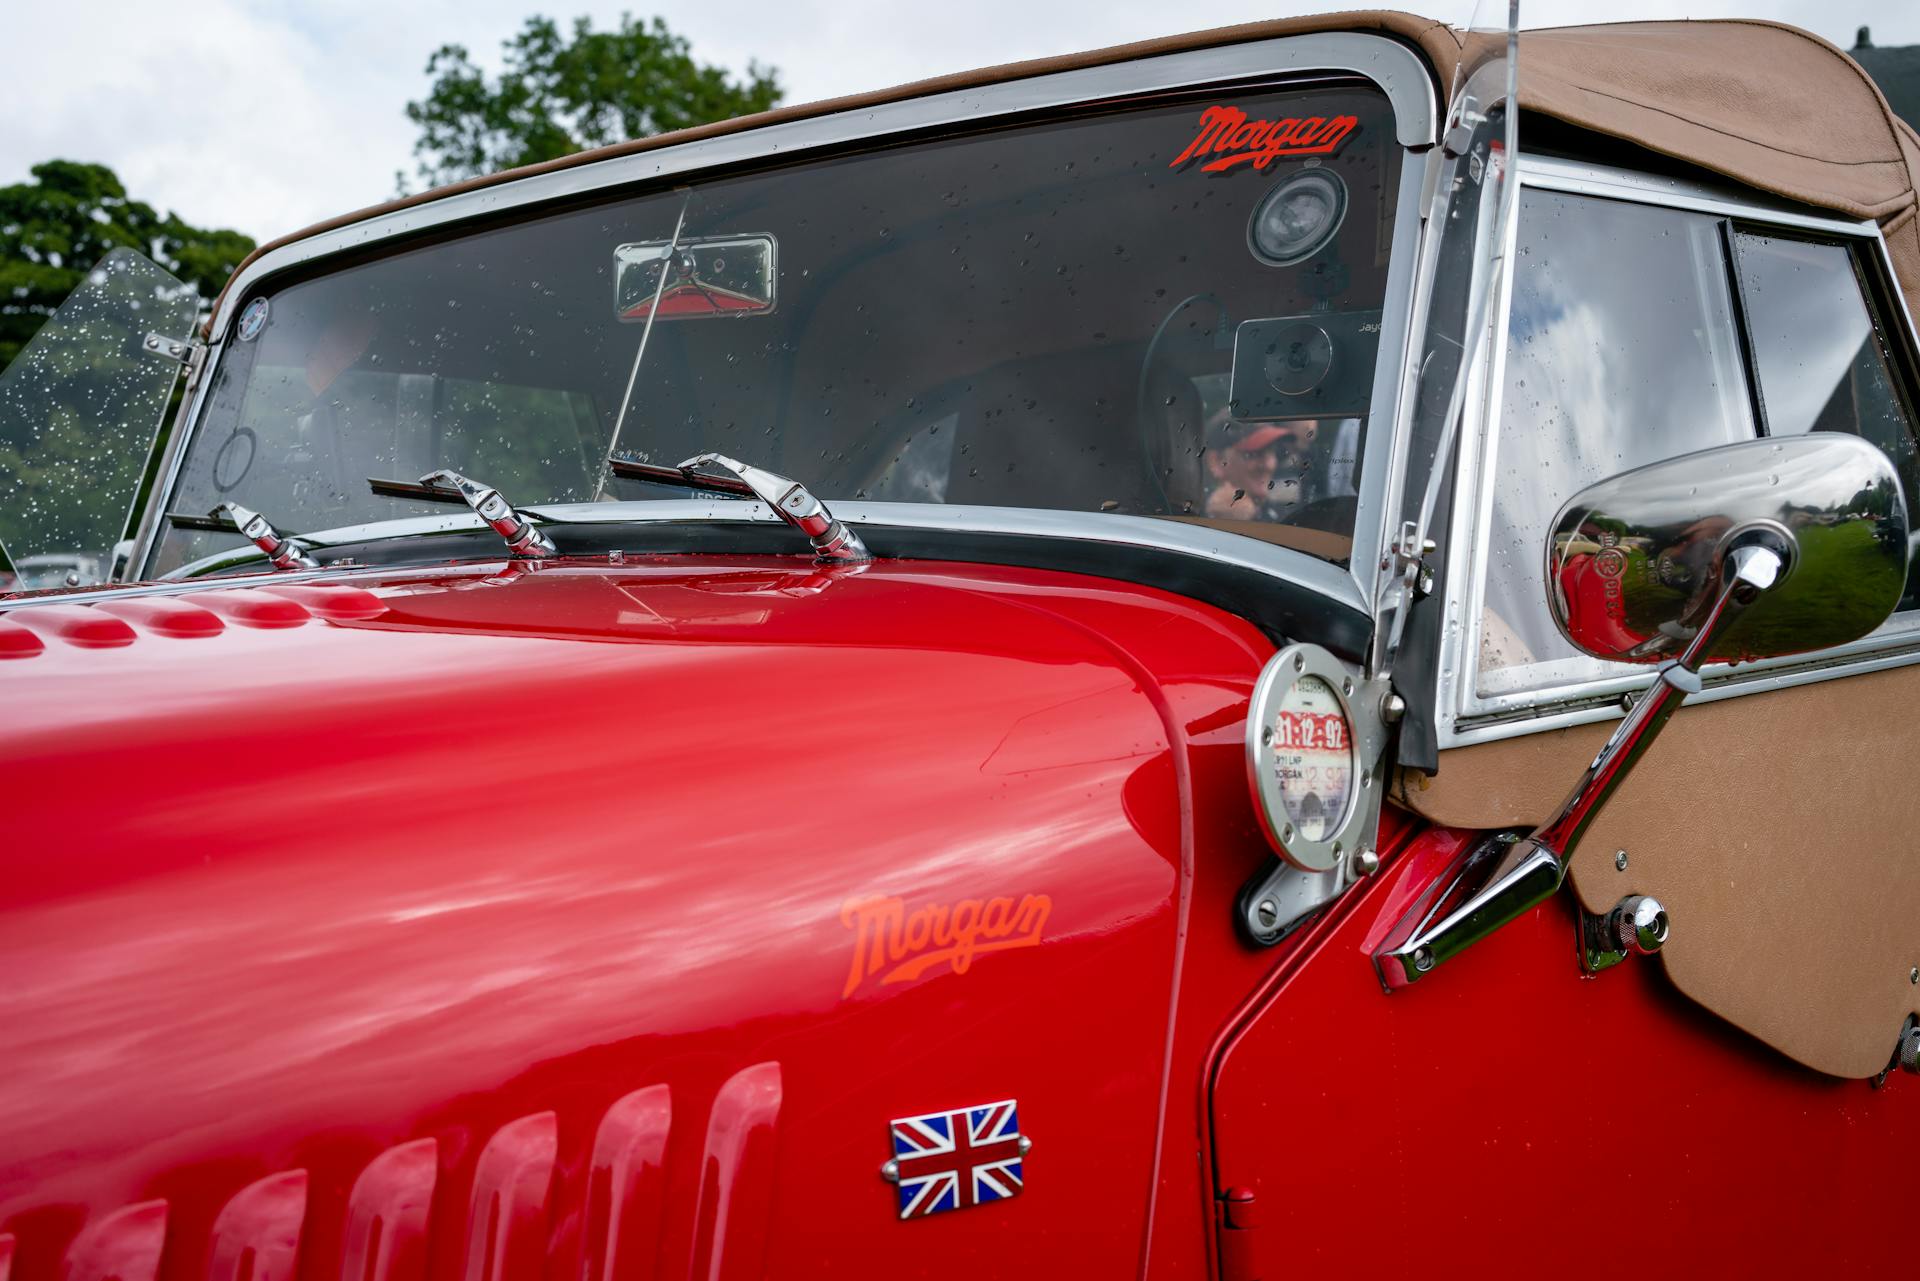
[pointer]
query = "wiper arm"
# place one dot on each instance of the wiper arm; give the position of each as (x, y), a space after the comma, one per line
(284, 551)
(790, 500)
(522, 537)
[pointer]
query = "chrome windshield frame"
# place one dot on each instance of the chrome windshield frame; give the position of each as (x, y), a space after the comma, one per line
(1396, 69)
(1600, 691)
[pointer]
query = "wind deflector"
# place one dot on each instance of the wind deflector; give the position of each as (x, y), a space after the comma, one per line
(79, 407)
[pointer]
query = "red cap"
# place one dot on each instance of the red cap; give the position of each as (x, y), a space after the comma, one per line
(1260, 438)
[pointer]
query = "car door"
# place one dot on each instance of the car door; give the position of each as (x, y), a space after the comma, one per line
(1507, 1112)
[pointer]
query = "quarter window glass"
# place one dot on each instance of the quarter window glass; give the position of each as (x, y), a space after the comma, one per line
(1821, 361)
(1622, 351)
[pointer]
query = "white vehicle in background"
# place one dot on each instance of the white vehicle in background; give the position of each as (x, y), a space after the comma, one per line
(56, 569)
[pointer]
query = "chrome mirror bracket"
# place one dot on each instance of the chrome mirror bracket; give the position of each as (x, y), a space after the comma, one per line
(790, 500)
(1276, 904)
(283, 552)
(1531, 870)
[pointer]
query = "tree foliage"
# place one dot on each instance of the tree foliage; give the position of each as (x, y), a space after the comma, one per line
(54, 228)
(559, 94)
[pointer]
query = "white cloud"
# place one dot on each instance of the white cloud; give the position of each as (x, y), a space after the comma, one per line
(268, 117)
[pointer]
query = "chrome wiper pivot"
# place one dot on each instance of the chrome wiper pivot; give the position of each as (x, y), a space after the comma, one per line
(790, 500)
(284, 552)
(523, 537)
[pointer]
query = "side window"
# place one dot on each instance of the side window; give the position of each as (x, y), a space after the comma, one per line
(1628, 329)
(1819, 355)
(1622, 351)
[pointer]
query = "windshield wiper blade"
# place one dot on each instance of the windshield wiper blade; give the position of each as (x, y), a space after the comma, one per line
(790, 500)
(522, 537)
(283, 550)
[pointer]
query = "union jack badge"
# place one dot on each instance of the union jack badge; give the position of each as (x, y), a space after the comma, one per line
(950, 1160)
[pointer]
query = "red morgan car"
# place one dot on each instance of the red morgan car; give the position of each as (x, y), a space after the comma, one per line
(1068, 671)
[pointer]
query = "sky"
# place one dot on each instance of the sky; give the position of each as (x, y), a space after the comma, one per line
(268, 115)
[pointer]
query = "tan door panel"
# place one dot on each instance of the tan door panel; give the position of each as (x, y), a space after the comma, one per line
(1779, 829)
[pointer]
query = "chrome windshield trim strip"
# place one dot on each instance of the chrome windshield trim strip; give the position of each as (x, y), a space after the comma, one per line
(266, 577)
(1750, 679)
(1323, 578)
(1392, 398)
(1556, 174)
(146, 535)
(1464, 716)
(1397, 70)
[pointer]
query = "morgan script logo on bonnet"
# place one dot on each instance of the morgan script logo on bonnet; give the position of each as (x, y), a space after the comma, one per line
(1226, 133)
(892, 945)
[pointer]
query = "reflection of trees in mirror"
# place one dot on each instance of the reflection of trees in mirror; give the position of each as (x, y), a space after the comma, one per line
(1846, 596)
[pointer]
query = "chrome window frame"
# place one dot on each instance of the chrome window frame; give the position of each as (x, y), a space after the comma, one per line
(1394, 68)
(1463, 716)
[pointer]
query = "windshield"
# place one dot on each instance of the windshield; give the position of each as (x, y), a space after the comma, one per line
(1171, 310)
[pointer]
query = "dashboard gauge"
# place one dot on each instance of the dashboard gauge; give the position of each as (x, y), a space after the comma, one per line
(1312, 757)
(1303, 763)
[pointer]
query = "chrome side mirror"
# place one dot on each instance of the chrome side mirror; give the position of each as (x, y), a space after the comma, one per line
(1636, 563)
(1753, 550)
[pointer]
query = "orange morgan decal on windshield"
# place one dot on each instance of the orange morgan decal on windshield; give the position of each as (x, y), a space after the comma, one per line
(893, 945)
(1227, 135)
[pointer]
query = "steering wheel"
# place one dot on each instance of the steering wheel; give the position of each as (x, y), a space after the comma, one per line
(1334, 515)
(1143, 418)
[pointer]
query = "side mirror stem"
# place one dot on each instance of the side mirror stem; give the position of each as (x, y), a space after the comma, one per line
(1458, 913)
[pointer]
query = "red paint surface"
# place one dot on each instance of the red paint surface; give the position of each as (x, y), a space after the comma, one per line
(504, 912)
(1505, 1111)
(520, 856)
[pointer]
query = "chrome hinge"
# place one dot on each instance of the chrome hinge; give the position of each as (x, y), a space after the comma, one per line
(179, 350)
(1406, 560)
(190, 352)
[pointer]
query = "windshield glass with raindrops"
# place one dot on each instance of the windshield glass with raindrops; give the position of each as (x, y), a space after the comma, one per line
(1169, 310)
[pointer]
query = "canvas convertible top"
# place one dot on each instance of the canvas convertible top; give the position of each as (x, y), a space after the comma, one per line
(1765, 104)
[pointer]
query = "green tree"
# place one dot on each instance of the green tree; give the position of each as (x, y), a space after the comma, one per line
(558, 95)
(54, 228)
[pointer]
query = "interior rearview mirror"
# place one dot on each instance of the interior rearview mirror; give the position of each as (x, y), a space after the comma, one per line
(1636, 563)
(694, 277)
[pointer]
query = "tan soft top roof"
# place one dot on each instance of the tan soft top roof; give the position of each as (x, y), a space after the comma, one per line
(1768, 105)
